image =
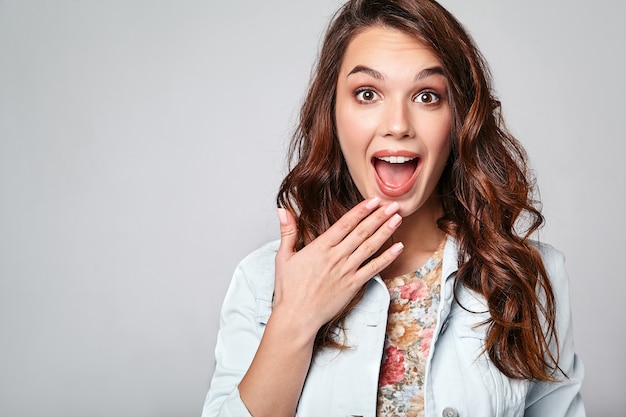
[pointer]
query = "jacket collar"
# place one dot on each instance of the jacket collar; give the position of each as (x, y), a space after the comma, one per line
(450, 258)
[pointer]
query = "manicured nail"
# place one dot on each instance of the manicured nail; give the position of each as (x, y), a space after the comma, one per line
(395, 220)
(282, 215)
(373, 203)
(396, 248)
(392, 208)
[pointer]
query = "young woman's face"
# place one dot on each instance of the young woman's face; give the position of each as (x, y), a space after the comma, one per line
(393, 117)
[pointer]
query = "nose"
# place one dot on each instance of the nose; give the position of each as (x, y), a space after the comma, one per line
(398, 123)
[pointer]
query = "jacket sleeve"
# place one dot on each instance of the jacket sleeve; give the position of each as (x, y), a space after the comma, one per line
(561, 398)
(245, 310)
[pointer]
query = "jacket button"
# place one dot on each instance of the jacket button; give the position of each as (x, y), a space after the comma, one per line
(450, 412)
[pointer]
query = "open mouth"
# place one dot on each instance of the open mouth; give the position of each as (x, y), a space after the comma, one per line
(395, 174)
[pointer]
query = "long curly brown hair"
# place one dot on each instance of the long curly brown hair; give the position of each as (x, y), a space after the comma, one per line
(485, 190)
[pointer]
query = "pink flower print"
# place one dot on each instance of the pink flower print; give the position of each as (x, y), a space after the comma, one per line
(413, 291)
(393, 367)
(427, 337)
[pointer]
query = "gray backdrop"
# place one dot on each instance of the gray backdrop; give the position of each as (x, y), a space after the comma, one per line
(141, 145)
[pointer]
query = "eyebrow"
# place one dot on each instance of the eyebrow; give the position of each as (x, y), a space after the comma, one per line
(371, 72)
(426, 72)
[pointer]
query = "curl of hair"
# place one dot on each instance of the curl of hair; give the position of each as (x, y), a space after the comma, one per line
(486, 190)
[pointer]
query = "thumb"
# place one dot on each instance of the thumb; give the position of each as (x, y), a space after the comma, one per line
(288, 234)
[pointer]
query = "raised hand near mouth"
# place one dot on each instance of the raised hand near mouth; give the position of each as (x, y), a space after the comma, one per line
(312, 285)
(315, 283)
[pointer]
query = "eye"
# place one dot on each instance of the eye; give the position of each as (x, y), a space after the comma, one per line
(366, 95)
(427, 97)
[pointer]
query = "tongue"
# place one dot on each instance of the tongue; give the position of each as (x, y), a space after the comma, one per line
(394, 175)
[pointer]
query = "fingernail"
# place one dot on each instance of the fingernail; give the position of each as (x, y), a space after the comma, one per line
(282, 215)
(373, 203)
(395, 220)
(396, 248)
(392, 208)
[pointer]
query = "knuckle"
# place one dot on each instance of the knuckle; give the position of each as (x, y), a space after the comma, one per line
(362, 233)
(368, 249)
(381, 216)
(329, 257)
(380, 263)
(344, 225)
(374, 266)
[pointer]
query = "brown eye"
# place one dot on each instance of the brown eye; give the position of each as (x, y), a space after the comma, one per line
(427, 98)
(366, 95)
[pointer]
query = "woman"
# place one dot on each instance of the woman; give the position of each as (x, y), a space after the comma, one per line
(404, 282)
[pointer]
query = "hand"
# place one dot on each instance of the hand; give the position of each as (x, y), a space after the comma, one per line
(312, 285)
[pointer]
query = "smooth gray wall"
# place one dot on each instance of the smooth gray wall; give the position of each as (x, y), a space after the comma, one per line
(141, 145)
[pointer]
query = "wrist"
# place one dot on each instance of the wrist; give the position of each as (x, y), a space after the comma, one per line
(293, 326)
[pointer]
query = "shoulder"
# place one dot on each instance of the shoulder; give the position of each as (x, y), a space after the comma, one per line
(550, 254)
(257, 270)
(261, 258)
(554, 262)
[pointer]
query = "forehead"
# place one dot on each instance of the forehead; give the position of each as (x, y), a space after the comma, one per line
(380, 46)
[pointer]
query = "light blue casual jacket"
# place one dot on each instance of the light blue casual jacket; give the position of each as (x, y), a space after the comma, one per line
(461, 381)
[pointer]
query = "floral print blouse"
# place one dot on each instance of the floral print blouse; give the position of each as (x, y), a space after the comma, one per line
(410, 325)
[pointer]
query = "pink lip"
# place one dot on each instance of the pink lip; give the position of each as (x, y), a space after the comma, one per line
(404, 188)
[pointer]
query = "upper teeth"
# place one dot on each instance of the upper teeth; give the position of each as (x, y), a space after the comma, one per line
(396, 159)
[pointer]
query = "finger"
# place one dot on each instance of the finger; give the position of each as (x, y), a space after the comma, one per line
(349, 221)
(376, 265)
(372, 245)
(368, 227)
(288, 235)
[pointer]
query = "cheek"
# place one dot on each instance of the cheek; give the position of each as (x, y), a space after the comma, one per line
(439, 133)
(353, 133)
